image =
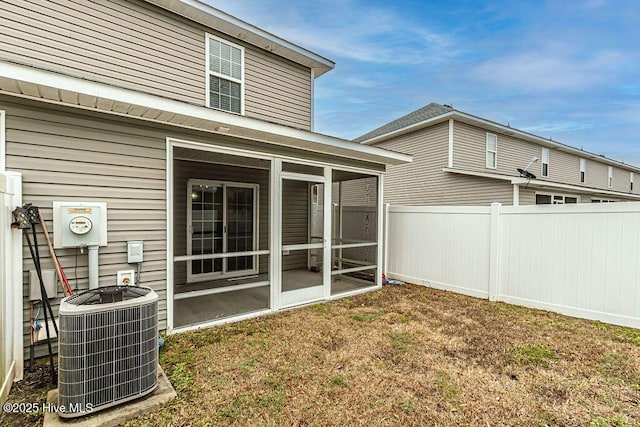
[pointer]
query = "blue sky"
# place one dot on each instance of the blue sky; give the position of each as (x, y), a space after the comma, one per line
(569, 70)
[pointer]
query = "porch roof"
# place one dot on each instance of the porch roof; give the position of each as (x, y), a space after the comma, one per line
(52, 87)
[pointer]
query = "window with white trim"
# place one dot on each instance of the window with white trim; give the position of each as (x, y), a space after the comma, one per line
(222, 217)
(492, 151)
(225, 75)
(610, 177)
(583, 169)
(631, 181)
(554, 199)
(602, 201)
(545, 162)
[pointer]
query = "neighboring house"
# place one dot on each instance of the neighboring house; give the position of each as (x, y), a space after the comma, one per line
(461, 159)
(196, 130)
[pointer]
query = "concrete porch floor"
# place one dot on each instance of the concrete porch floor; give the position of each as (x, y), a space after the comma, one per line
(191, 311)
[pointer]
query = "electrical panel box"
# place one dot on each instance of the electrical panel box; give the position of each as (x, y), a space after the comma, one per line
(77, 224)
(135, 250)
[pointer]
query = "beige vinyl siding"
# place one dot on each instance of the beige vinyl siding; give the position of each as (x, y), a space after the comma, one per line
(470, 151)
(295, 222)
(423, 182)
(596, 174)
(65, 157)
(276, 90)
(138, 46)
(620, 180)
(185, 170)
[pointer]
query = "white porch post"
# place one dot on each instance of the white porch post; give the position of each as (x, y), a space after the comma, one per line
(516, 194)
(380, 235)
(327, 232)
(275, 231)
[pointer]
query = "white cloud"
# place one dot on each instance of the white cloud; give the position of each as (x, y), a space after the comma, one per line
(550, 69)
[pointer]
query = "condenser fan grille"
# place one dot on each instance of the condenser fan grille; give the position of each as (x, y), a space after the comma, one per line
(107, 356)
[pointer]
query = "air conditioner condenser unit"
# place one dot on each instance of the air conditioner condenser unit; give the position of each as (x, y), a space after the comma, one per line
(108, 348)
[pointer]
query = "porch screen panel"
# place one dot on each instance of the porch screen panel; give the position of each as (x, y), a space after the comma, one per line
(240, 227)
(207, 227)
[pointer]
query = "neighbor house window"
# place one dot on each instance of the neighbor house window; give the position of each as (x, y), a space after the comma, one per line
(583, 169)
(610, 177)
(222, 217)
(631, 181)
(492, 151)
(545, 162)
(554, 199)
(225, 75)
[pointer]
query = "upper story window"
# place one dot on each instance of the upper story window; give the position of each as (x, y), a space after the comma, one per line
(610, 177)
(492, 151)
(631, 181)
(545, 162)
(225, 75)
(583, 169)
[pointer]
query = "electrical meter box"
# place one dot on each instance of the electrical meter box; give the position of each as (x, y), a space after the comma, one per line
(77, 224)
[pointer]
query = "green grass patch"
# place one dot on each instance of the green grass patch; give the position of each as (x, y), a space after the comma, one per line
(612, 421)
(339, 381)
(274, 401)
(447, 388)
(400, 341)
(532, 354)
(366, 317)
(180, 376)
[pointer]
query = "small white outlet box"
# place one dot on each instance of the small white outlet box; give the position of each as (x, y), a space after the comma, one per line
(126, 278)
(135, 251)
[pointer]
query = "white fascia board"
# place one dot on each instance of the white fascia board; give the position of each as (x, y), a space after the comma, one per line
(239, 126)
(537, 183)
(488, 124)
(203, 13)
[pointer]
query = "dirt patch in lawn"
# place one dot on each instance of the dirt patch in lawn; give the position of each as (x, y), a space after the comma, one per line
(405, 355)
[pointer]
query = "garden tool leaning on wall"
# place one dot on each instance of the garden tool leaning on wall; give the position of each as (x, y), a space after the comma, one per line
(26, 219)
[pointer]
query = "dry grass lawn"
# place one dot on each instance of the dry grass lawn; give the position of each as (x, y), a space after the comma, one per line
(402, 356)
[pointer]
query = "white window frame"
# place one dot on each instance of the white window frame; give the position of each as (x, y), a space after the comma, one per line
(209, 73)
(583, 170)
(610, 177)
(494, 151)
(191, 278)
(631, 177)
(545, 162)
(563, 196)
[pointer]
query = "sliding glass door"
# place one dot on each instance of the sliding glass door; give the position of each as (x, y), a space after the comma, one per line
(221, 218)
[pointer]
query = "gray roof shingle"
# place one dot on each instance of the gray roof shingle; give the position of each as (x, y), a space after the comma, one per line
(417, 116)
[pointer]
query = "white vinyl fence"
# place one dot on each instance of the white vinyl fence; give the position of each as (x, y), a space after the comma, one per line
(582, 260)
(10, 284)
